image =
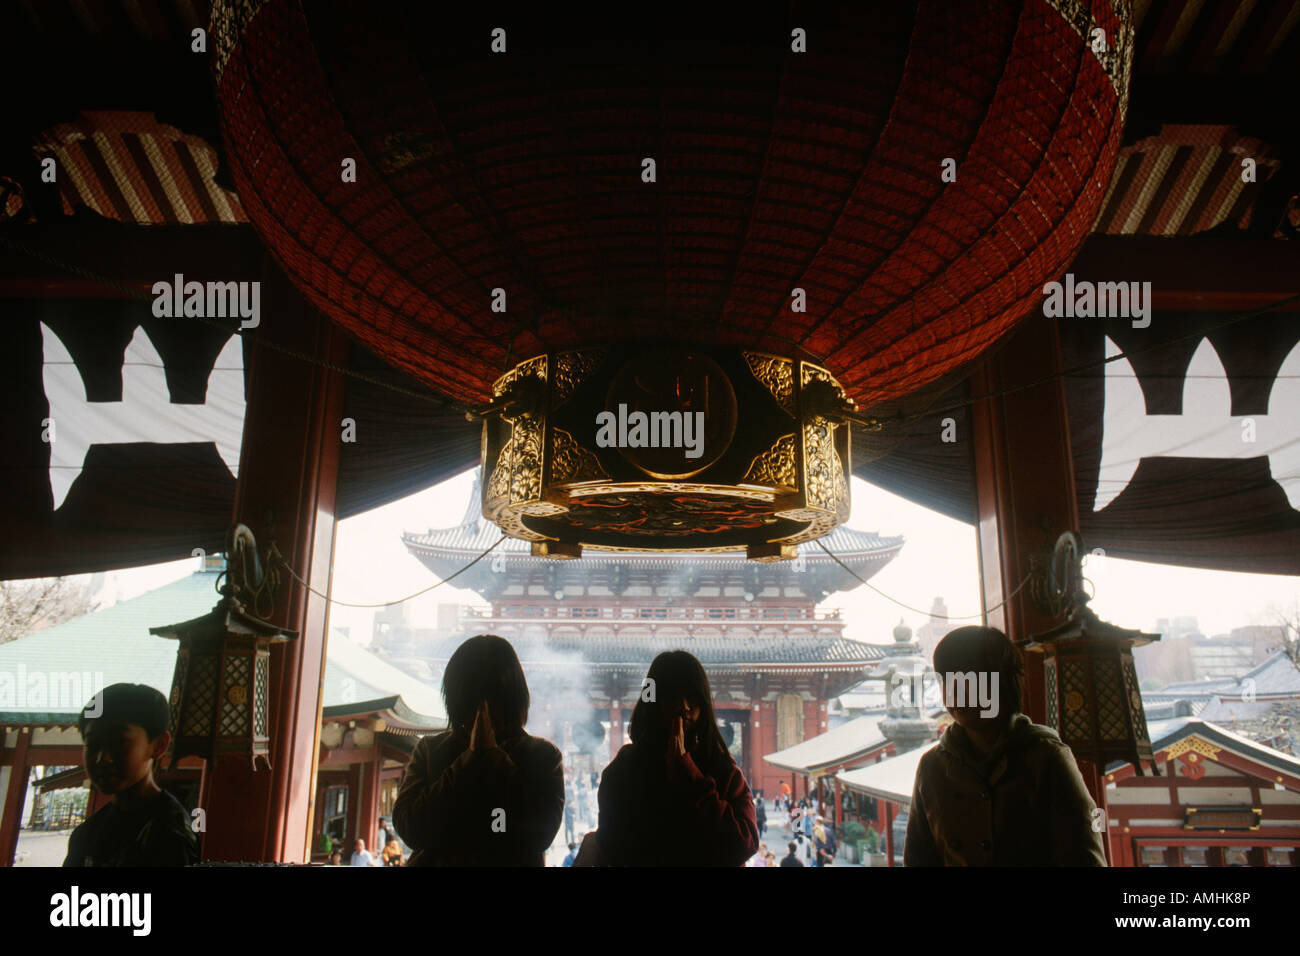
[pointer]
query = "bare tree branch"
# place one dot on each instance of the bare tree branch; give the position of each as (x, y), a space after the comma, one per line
(33, 605)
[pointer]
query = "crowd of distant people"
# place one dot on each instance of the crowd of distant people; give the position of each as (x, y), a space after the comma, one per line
(486, 793)
(811, 838)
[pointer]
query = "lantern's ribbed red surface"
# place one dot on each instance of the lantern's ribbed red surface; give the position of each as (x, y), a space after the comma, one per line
(775, 170)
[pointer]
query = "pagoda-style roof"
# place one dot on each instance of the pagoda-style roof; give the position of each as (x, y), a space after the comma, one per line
(612, 651)
(452, 545)
(892, 779)
(446, 550)
(1167, 733)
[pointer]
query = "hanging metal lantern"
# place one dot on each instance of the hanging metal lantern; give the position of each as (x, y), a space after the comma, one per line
(1093, 699)
(643, 449)
(220, 698)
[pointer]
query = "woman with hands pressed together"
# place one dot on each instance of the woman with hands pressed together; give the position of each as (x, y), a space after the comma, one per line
(674, 796)
(483, 792)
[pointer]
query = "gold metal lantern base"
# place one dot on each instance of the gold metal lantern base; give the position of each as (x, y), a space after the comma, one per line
(666, 448)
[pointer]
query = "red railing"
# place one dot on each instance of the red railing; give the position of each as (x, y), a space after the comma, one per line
(649, 615)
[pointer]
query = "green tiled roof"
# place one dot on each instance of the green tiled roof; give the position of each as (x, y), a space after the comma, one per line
(374, 679)
(116, 644)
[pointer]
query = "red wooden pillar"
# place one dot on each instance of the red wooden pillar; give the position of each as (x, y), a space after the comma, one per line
(355, 827)
(15, 794)
(747, 753)
(1119, 848)
(889, 834)
(317, 821)
(764, 737)
(839, 804)
(369, 803)
(1024, 480)
(288, 466)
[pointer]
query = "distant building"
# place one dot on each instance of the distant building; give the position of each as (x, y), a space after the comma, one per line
(932, 631)
(1174, 628)
(1191, 656)
(586, 631)
(864, 699)
(1216, 658)
(1264, 705)
(1221, 800)
(396, 641)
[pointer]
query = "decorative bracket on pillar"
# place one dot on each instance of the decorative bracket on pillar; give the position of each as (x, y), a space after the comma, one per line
(249, 577)
(1056, 587)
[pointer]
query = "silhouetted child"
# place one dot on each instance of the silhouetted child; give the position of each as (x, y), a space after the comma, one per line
(482, 793)
(674, 796)
(124, 730)
(997, 790)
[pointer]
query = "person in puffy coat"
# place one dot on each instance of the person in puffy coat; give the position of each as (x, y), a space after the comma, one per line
(997, 790)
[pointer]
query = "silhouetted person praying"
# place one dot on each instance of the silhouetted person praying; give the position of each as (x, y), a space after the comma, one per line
(483, 792)
(997, 790)
(674, 796)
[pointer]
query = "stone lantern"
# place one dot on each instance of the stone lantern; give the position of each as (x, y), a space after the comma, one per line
(903, 669)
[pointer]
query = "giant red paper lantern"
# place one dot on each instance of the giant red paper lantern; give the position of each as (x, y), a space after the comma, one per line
(481, 169)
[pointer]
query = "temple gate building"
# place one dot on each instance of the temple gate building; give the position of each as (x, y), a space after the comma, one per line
(592, 627)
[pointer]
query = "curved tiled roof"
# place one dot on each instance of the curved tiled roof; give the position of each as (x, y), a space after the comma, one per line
(835, 653)
(354, 675)
(844, 743)
(1165, 733)
(478, 536)
(475, 534)
(891, 779)
(114, 644)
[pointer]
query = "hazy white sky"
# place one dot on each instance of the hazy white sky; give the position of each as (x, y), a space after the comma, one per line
(939, 558)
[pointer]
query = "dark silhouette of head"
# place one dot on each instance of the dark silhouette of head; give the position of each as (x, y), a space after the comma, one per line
(675, 675)
(137, 704)
(976, 650)
(123, 730)
(486, 667)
